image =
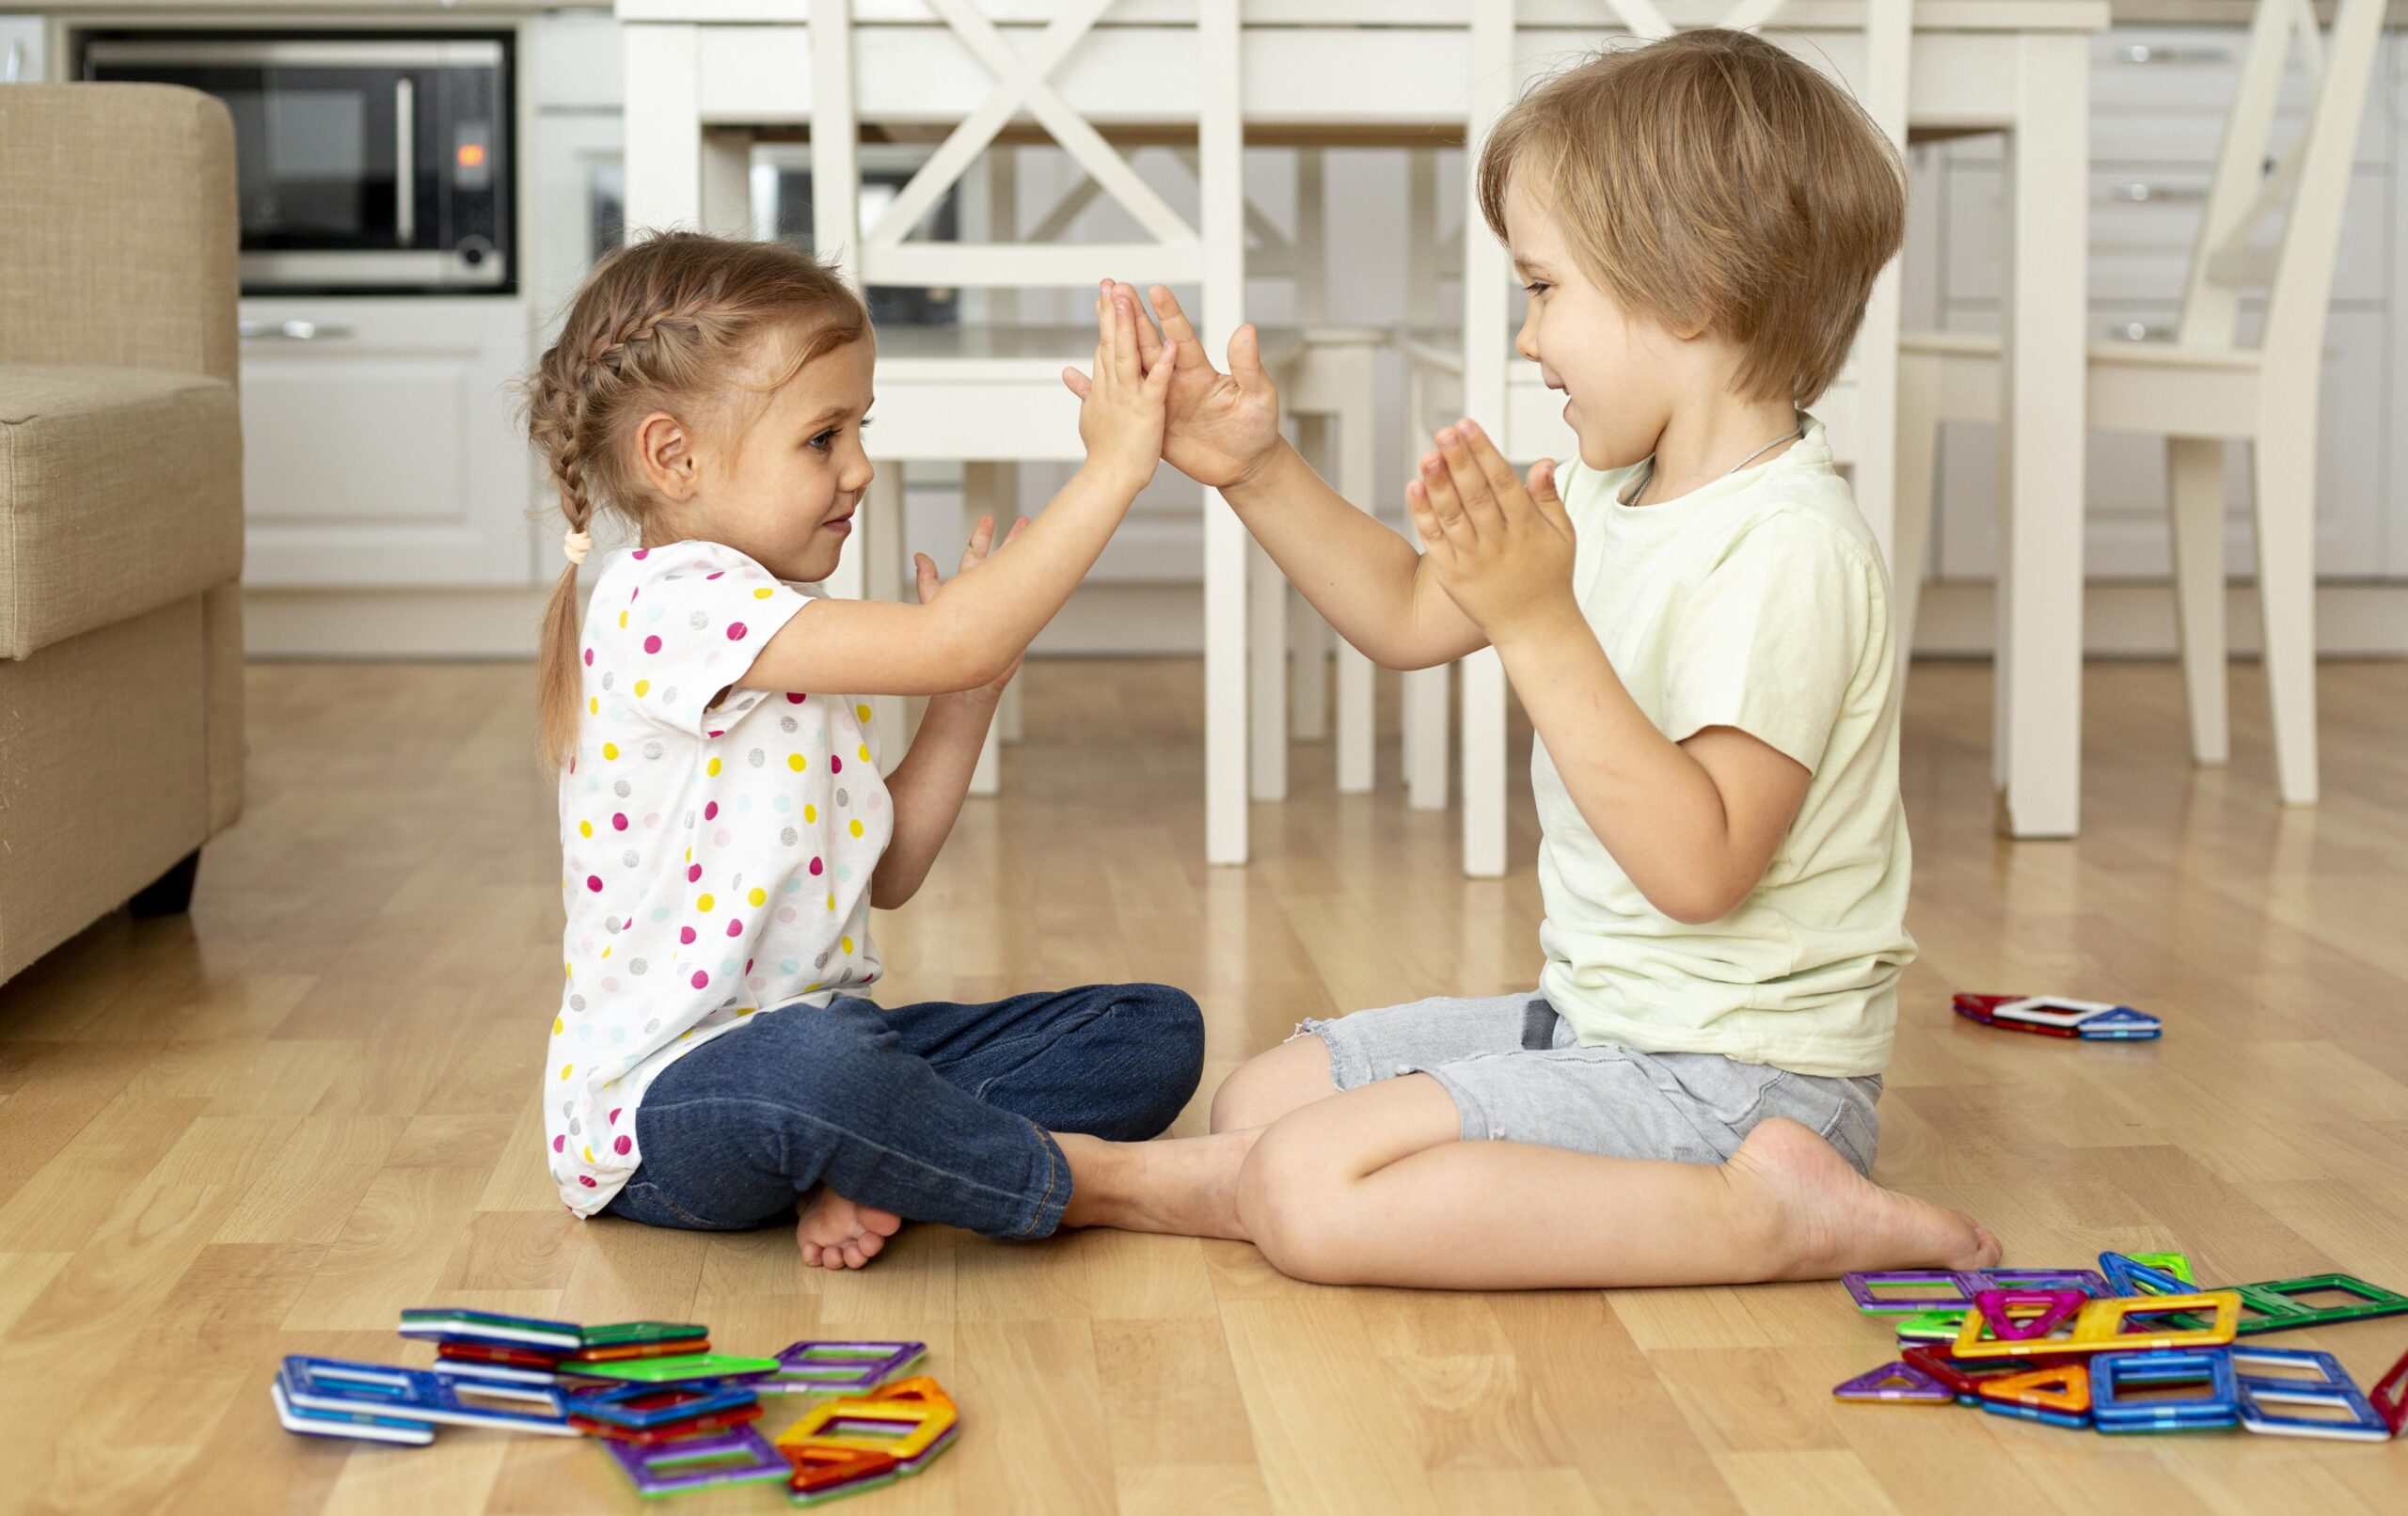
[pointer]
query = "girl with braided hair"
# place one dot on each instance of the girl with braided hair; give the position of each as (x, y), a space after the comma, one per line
(714, 1063)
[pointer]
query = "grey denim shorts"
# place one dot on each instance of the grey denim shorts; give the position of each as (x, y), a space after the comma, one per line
(1517, 1072)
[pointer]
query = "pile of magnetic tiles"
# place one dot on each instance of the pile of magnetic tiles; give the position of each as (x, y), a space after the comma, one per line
(2132, 1345)
(675, 1415)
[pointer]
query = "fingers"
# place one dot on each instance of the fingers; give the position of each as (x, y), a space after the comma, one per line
(1125, 323)
(1078, 384)
(982, 536)
(1501, 478)
(1434, 540)
(1481, 507)
(1018, 528)
(1158, 377)
(1150, 342)
(1546, 497)
(924, 574)
(1175, 330)
(1437, 485)
(1245, 356)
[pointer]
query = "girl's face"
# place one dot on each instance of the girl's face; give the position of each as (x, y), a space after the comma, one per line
(781, 490)
(1620, 373)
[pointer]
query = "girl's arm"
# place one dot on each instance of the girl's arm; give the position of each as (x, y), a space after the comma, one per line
(986, 617)
(1223, 431)
(1694, 824)
(928, 784)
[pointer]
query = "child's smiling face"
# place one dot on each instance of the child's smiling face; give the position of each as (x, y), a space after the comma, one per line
(780, 479)
(1619, 370)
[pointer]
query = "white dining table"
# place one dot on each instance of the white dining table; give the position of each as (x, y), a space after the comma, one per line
(1340, 72)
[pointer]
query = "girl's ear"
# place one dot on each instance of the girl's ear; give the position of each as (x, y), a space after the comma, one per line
(665, 454)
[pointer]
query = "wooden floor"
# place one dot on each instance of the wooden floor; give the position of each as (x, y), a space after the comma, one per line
(268, 1128)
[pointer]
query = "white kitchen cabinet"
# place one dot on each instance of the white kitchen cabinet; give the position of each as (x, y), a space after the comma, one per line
(21, 50)
(379, 443)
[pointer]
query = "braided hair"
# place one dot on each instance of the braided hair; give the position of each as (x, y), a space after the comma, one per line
(663, 323)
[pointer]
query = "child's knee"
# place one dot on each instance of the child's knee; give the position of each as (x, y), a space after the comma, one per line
(1289, 1200)
(1160, 1036)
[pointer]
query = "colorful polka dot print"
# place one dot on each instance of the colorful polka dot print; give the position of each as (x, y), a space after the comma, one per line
(694, 814)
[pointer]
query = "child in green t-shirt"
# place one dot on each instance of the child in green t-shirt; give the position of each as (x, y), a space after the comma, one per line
(1697, 620)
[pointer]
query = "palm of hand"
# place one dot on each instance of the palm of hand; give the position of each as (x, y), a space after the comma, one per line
(1217, 429)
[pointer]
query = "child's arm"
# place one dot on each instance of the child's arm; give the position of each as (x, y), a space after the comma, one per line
(1223, 429)
(986, 618)
(1695, 823)
(928, 784)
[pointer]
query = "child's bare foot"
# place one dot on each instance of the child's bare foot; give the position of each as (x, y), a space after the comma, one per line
(1186, 1186)
(834, 1233)
(1836, 1219)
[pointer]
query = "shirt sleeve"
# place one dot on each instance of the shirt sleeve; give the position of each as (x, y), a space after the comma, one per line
(1771, 640)
(696, 616)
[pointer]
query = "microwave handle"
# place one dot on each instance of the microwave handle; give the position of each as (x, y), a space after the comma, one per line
(404, 161)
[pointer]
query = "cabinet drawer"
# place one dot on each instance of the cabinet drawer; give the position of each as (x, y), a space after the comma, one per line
(2142, 222)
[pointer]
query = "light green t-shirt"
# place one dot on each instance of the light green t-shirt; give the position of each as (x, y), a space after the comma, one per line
(1758, 601)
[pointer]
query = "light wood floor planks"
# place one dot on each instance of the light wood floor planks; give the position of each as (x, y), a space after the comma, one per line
(266, 1128)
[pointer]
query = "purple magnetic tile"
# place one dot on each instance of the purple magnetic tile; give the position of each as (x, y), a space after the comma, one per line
(1861, 1288)
(1895, 1382)
(652, 1466)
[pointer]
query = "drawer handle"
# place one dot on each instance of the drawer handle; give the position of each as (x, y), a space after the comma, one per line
(2145, 53)
(291, 331)
(2140, 331)
(2145, 193)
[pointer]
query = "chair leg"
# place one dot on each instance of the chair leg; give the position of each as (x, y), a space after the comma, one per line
(1484, 727)
(1426, 753)
(1918, 449)
(1358, 479)
(1309, 713)
(1267, 618)
(983, 493)
(882, 579)
(2195, 497)
(2286, 458)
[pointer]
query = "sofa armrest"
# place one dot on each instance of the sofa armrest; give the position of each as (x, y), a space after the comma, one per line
(118, 233)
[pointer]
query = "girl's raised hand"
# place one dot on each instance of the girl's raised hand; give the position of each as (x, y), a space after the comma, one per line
(1221, 427)
(982, 538)
(1121, 406)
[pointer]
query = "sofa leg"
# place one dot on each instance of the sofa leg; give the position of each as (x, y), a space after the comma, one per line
(170, 894)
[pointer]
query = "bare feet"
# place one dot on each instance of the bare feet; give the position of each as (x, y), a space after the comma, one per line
(1186, 1186)
(1834, 1220)
(834, 1233)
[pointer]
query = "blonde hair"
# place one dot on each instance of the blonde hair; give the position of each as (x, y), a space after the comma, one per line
(665, 323)
(1711, 181)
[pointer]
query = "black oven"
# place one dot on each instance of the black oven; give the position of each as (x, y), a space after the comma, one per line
(365, 161)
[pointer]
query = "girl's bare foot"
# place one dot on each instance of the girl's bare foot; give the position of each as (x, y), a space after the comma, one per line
(1833, 1220)
(834, 1233)
(1186, 1186)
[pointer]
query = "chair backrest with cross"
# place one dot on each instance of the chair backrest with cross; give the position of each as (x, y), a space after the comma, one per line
(2304, 188)
(1001, 400)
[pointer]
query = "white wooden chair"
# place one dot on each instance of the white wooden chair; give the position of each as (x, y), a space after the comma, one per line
(1477, 379)
(986, 395)
(2204, 388)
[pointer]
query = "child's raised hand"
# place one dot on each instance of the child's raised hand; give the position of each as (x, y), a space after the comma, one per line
(982, 538)
(1120, 408)
(1502, 549)
(1221, 427)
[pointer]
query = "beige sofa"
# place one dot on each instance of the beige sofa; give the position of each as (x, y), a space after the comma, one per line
(120, 504)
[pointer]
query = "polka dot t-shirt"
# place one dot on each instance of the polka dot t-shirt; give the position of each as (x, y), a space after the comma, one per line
(717, 844)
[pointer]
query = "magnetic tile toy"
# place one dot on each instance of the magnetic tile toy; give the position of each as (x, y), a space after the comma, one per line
(357, 1426)
(2089, 1281)
(488, 1326)
(670, 1432)
(841, 1367)
(831, 1473)
(2121, 1024)
(2114, 1375)
(640, 1407)
(2389, 1396)
(2052, 1010)
(2026, 1315)
(2058, 1395)
(2263, 1393)
(1935, 1289)
(911, 1431)
(2128, 1276)
(1900, 1383)
(2133, 1324)
(1930, 1326)
(2279, 1299)
(1965, 1378)
(621, 1352)
(630, 1334)
(490, 1352)
(2177, 1264)
(417, 1395)
(737, 1455)
(684, 1367)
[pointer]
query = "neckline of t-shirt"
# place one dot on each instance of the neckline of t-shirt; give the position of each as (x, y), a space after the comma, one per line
(1809, 451)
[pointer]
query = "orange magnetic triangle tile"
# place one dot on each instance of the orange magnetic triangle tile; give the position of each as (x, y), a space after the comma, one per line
(2066, 1387)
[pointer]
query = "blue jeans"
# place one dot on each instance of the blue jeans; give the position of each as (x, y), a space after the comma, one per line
(939, 1113)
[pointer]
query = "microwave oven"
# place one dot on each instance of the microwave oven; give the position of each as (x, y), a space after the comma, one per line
(364, 161)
